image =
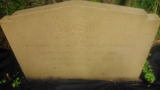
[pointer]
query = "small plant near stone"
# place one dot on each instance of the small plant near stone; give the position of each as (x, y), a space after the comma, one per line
(148, 72)
(150, 6)
(3, 81)
(15, 82)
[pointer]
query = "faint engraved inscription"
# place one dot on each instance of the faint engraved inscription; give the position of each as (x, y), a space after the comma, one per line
(38, 45)
(83, 45)
(75, 18)
(65, 37)
(109, 55)
(77, 28)
(78, 52)
(79, 59)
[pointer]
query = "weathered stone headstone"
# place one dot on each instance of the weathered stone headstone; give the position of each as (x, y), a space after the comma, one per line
(82, 39)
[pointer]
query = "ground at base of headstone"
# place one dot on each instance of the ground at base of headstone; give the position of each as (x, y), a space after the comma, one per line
(33, 84)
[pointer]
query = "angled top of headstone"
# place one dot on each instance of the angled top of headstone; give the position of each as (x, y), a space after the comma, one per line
(86, 40)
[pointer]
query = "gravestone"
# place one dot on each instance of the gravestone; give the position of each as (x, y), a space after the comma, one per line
(81, 40)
